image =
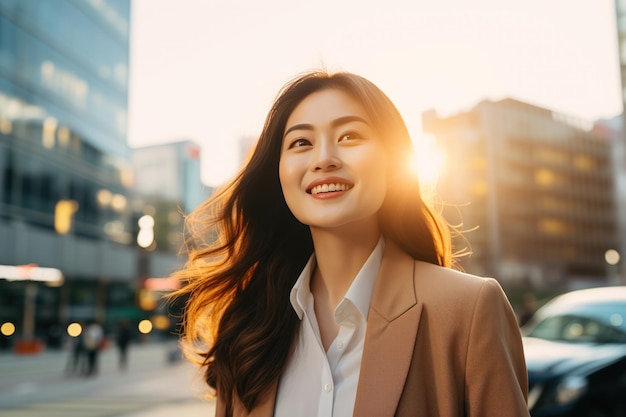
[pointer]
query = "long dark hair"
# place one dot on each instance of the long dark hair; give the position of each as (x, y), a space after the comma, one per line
(246, 249)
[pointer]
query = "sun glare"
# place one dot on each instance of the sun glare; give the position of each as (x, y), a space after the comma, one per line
(428, 161)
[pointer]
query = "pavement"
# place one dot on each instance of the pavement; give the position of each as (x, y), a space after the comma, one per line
(152, 385)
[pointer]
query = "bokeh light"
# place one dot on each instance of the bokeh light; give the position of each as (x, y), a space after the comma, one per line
(7, 328)
(145, 326)
(611, 257)
(161, 322)
(145, 237)
(74, 329)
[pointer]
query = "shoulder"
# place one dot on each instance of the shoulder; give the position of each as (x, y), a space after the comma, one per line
(429, 276)
(437, 284)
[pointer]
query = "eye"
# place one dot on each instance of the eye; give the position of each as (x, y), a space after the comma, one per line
(298, 143)
(349, 136)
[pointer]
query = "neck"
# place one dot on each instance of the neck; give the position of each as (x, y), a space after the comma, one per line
(339, 257)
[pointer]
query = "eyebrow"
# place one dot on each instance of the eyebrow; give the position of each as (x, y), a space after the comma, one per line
(335, 123)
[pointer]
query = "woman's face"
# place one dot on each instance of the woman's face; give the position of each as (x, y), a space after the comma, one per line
(333, 165)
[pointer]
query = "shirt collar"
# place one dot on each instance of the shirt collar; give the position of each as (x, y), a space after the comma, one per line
(301, 289)
(362, 288)
(360, 291)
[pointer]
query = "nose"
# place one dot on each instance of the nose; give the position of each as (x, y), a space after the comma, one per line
(326, 157)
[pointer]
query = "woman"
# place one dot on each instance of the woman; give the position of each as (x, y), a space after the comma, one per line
(325, 287)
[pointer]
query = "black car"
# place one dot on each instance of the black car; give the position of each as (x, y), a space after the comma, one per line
(575, 348)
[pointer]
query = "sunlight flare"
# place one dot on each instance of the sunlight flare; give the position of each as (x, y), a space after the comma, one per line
(428, 161)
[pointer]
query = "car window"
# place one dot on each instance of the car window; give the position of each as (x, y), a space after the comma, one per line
(587, 323)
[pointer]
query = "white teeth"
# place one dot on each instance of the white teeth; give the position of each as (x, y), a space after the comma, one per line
(326, 188)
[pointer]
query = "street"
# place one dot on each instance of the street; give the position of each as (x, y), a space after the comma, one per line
(152, 386)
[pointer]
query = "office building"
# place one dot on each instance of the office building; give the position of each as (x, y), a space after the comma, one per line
(168, 178)
(617, 127)
(170, 171)
(66, 202)
(536, 189)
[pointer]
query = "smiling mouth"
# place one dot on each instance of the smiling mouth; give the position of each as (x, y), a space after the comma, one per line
(329, 188)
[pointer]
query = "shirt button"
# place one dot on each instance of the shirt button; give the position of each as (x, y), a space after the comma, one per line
(340, 345)
(327, 387)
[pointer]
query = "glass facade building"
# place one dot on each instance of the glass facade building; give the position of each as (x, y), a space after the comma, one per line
(66, 197)
(63, 110)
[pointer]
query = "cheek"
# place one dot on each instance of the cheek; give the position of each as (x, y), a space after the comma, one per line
(290, 185)
(376, 165)
(378, 180)
(288, 175)
(378, 190)
(285, 174)
(292, 168)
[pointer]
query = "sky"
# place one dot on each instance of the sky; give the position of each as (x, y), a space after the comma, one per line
(209, 70)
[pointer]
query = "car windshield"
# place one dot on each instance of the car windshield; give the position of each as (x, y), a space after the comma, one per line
(583, 323)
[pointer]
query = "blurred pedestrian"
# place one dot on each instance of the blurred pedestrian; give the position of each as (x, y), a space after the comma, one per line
(93, 337)
(123, 340)
(321, 280)
(77, 363)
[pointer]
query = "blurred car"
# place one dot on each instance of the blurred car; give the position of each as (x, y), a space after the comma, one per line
(575, 348)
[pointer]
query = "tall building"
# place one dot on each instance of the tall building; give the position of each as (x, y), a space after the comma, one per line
(536, 190)
(168, 178)
(170, 171)
(65, 172)
(611, 129)
(617, 126)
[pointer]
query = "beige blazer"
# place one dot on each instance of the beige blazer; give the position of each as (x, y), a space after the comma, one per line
(438, 343)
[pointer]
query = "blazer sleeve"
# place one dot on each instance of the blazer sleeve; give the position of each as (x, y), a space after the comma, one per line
(497, 380)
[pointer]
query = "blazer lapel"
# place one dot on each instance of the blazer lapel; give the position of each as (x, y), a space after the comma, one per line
(390, 338)
(389, 342)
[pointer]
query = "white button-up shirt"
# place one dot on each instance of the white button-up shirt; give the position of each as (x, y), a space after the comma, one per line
(315, 382)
